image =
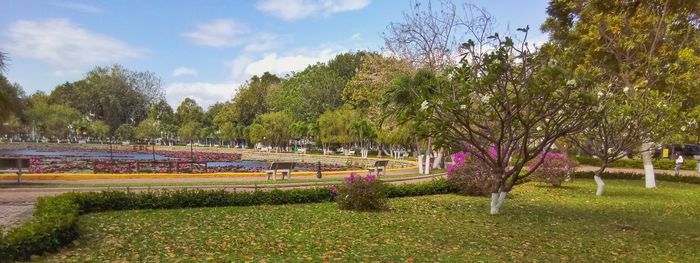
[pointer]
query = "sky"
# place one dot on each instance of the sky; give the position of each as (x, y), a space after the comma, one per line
(204, 50)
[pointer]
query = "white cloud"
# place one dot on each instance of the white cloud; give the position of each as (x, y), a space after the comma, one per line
(205, 94)
(62, 44)
(80, 7)
(281, 65)
(297, 9)
(218, 33)
(183, 71)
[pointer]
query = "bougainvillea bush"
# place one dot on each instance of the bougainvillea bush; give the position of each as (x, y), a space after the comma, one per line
(468, 177)
(361, 193)
(554, 170)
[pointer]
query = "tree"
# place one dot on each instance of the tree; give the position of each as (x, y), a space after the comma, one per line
(189, 111)
(113, 94)
(346, 65)
(125, 132)
(190, 131)
(272, 128)
(11, 99)
(506, 106)
(365, 90)
(309, 93)
(54, 120)
(99, 129)
(633, 49)
(334, 126)
(250, 101)
(3, 61)
(430, 38)
(148, 129)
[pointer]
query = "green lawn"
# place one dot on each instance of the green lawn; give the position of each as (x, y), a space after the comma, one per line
(629, 223)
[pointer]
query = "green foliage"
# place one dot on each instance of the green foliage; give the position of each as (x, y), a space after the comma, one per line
(52, 227)
(53, 120)
(189, 111)
(433, 187)
(113, 94)
(148, 129)
(125, 132)
(664, 164)
(310, 93)
(634, 176)
(99, 129)
(334, 126)
(250, 101)
(11, 98)
(190, 131)
(272, 128)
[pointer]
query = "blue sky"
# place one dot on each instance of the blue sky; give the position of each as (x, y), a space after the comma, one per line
(203, 49)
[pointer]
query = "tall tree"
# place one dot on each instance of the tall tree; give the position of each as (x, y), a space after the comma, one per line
(189, 111)
(506, 106)
(636, 48)
(310, 93)
(430, 37)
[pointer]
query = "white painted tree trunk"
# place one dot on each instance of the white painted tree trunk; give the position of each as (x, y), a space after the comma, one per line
(420, 164)
(438, 159)
(600, 184)
(649, 178)
(497, 200)
(428, 152)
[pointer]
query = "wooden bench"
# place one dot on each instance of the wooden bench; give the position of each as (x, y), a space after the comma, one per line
(284, 168)
(379, 166)
(15, 164)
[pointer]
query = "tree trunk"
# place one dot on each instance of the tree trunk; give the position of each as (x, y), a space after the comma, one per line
(649, 178)
(497, 200)
(420, 164)
(599, 180)
(428, 151)
(438, 159)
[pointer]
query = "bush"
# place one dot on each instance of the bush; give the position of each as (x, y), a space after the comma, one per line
(554, 170)
(469, 178)
(434, 187)
(52, 226)
(634, 176)
(361, 193)
(665, 164)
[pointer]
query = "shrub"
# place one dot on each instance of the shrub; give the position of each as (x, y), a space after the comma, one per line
(361, 193)
(467, 177)
(554, 170)
(665, 164)
(52, 226)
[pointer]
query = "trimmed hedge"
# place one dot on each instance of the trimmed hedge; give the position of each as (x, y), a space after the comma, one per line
(52, 226)
(634, 176)
(665, 164)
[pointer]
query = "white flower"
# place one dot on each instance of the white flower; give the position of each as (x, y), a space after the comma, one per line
(485, 98)
(462, 107)
(626, 89)
(600, 94)
(424, 105)
(546, 119)
(560, 112)
(449, 76)
(683, 128)
(571, 82)
(539, 128)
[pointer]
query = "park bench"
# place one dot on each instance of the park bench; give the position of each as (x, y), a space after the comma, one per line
(284, 168)
(379, 166)
(15, 164)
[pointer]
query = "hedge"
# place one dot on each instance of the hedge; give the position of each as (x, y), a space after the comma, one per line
(634, 176)
(665, 164)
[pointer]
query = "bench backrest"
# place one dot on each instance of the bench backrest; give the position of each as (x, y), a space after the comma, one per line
(282, 166)
(381, 163)
(14, 163)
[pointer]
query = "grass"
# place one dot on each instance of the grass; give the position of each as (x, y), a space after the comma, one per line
(28, 184)
(629, 223)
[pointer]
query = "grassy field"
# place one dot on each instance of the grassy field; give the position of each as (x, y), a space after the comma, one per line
(540, 223)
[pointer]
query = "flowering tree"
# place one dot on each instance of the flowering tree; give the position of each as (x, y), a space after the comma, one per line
(626, 119)
(508, 98)
(632, 49)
